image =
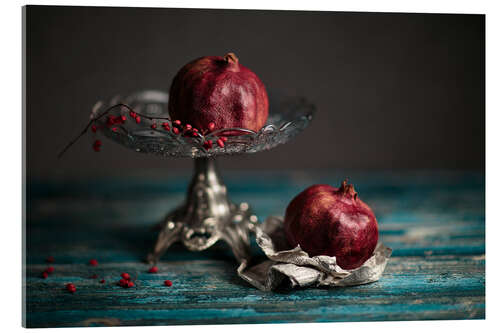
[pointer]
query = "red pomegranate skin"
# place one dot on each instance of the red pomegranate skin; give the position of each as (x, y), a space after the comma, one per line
(219, 90)
(325, 220)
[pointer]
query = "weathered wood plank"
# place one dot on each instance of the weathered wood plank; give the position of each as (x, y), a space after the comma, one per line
(434, 221)
(411, 287)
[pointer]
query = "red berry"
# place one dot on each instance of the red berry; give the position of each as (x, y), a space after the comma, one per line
(220, 143)
(168, 283)
(166, 126)
(177, 122)
(175, 130)
(122, 282)
(126, 276)
(70, 286)
(45, 275)
(93, 262)
(188, 127)
(94, 128)
(130, 284)
(102, 281)
(72, 290)
(112, 120)
(94, 276)
(50, 259)
(49, 269)
(123, 118)
(137, 119)
(97, 145)
(223, 138)
(153, 125)
(194, 132)
(132, 114)
(153, 269)
(114, 129)
(211, 126)
(207, 144)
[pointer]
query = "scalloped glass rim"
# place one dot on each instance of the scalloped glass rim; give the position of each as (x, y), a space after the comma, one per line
(287, 118)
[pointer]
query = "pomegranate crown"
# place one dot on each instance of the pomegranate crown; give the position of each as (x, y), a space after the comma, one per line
(231, 58)
(348, 190)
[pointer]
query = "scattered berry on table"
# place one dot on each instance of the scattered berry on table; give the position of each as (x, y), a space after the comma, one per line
(70, 287)
(93, 262)
(44, 275)
(125, 283)
(126, 276)
(153, 269)
(168, 283)
(50, 269)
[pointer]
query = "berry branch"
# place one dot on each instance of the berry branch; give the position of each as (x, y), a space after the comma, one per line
(93, 120)
(177, 128)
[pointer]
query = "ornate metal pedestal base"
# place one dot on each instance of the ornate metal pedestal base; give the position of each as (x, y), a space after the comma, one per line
(206, 216)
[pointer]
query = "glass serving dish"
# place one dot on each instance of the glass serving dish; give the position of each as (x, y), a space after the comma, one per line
(287, 118)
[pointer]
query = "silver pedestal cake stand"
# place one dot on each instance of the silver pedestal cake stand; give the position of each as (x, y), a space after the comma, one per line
(207, 215)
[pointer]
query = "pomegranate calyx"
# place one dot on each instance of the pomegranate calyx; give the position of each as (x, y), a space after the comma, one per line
(348, 190)
(231, 58)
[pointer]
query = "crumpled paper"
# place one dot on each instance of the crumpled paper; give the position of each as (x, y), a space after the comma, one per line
(297, 269)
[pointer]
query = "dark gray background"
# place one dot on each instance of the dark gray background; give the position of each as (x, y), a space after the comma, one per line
(393, 91)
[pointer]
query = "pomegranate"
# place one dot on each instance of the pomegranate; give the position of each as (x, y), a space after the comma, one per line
(221, 91)
(325, 220)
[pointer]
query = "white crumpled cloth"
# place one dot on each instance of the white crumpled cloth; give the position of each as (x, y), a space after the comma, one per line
(298, 269)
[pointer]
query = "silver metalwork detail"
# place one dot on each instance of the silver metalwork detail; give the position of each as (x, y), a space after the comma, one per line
(206, 217)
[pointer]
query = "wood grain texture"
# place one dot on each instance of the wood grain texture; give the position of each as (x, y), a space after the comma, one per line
(433, 221)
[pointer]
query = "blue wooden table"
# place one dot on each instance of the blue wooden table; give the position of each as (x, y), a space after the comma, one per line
(433, 221)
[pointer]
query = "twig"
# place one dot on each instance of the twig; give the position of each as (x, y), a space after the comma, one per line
(72, 142)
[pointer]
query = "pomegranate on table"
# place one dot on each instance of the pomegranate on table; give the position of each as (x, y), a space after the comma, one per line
(221, 91)
(325, 220)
